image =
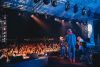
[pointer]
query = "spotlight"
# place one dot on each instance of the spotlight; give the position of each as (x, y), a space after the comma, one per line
(69, 22)
(4, 23)
(32, 15)
(81, 23)
(56, 19)
(5, 17)
(67, 5)
(4, 40)
(19, 14)
(46, 16)
(4, 35)
(46, 2)
(4, 32)
(38, 21)
(77, 23)
(4, 28)
(88, 12)
(54, 3)
(84, 11)
(75, 8)
(63, 23)
(36, 1)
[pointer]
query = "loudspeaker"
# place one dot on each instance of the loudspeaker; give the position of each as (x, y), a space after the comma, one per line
(96, 59)
(88, 40)
(33, 56)
(3, 60)
(16, 59)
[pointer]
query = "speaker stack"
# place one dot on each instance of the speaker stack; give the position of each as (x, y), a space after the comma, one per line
(96, 56)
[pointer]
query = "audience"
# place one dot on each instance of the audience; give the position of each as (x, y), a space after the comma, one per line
(25, 50)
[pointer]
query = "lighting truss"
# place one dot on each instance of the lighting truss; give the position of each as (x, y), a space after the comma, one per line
(3, 30)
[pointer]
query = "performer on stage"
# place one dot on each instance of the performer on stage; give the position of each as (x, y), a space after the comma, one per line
(62, 47)
(80, 41)
(71, 41)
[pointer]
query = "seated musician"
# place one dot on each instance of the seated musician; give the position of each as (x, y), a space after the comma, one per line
(80, 41)
(82, 47)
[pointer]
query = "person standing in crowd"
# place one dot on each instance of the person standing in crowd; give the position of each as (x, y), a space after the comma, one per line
(71, 41)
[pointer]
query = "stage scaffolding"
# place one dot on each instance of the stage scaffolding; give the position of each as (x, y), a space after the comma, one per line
(3, 30)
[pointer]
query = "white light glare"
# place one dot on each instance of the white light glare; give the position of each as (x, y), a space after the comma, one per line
(89, 30)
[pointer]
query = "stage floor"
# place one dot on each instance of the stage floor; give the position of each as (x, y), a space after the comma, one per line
(56, 61)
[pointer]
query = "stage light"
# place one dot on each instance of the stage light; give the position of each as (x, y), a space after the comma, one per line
(67, 5)
(32, 16)
(58, 20)
(5, 17)
(81, 23)
(75, 8)
(54, 3)
(4, 28)
(77, 22)
(4, 23)
(19, 14)
(88, 12)
(69, 22)
(62, 22)
(4, 32)
(45, 15)
(84, 11)
(4, 35)
(39, 21)
(89, 30)
(4, 40)
(36, 1)
(46, 2)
